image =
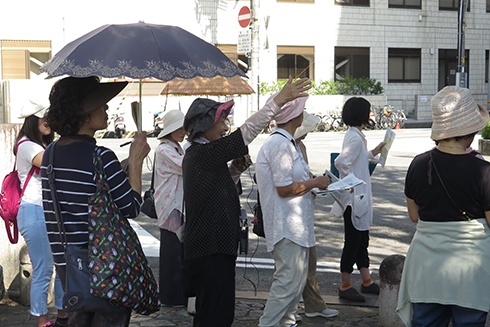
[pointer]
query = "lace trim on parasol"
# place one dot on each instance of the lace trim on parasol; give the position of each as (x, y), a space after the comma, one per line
(157, 69)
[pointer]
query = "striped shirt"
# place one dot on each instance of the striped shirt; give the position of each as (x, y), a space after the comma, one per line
(75, 183)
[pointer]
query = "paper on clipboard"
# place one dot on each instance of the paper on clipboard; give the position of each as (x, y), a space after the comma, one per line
(343, 184)
(389, 138)
(342, 196)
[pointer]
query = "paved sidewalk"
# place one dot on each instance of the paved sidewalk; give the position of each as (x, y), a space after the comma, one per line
(248, 310)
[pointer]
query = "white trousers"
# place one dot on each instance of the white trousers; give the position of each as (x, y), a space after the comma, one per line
(291, 270)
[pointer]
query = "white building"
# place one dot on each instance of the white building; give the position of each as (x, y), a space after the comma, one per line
(407, 45)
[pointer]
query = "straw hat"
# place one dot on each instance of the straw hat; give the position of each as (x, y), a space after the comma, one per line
(172, 121)
(309, 122)
(456, 113)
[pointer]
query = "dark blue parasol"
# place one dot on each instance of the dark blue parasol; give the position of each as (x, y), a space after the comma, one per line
(141, 51)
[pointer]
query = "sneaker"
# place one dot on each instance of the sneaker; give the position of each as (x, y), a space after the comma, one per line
(57, 323)
(327, 313)
(351, 294)
(48, 324)
(297, 317)
(373, 289)
(294, 325)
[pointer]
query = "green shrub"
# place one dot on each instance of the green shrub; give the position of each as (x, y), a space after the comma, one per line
(485, 132)
(346, 86)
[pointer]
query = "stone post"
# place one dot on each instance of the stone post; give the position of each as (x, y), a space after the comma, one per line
(390, 275)
(2, 285)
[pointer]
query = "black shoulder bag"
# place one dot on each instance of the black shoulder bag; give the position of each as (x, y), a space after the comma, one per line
(148, 205)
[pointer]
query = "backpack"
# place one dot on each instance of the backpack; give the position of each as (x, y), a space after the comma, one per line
(10, 197)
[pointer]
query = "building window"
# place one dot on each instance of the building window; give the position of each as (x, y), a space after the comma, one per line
(488, 5)
(351, 62)
(230, 51)
(448, 67)
(453, 5)
(408, 4)
(22, 59)
(404, 65)
(295, 61)
(362, 3)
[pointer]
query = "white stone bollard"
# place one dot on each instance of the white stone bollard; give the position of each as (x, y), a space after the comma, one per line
(390, 275)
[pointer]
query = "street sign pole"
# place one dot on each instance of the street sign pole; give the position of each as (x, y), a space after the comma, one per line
(461, 76)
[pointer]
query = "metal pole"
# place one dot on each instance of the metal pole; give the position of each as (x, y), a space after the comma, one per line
(251, 69)
(488, 95)
(461, 78)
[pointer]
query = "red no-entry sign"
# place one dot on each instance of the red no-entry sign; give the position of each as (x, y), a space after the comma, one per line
(244, 16)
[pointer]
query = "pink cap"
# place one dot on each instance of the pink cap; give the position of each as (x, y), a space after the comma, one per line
(290, 110)
(225, 107)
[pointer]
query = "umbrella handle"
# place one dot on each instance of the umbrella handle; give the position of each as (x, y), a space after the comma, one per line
(136, 113)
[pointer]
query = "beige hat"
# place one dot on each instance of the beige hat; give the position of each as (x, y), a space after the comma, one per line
(33, 108)
(309, 122)
(456, 113)
(172, 121)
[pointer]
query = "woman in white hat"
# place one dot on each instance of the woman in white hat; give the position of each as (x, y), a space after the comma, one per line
(31, 141)
(445, 275)
(169, 196)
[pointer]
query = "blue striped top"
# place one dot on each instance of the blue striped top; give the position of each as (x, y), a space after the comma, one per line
(75, 183)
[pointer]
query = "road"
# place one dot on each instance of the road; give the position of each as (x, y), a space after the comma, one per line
(391, 232)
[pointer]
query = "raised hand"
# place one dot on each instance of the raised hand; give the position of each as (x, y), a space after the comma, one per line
(291, 91)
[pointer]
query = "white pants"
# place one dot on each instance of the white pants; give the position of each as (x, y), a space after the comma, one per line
(291, 270)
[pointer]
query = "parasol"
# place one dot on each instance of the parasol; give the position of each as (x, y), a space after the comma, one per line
(218, 85)
(141, 51)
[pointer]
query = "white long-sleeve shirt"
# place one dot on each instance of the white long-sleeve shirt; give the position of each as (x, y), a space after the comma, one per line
(354, 158)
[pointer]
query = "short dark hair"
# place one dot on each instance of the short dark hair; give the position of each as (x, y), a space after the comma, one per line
(457, 138)
(30, 130)
(356, 111)
(64, 113)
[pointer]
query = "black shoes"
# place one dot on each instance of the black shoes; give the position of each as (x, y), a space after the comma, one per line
(351, 294)
(372, 289)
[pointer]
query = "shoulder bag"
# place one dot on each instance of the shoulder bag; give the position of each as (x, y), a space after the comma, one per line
(119, 268)
(148, 206)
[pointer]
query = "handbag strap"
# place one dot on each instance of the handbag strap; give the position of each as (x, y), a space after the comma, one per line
(54, 194)
(31, 171)
(152, 187)
(432, 164)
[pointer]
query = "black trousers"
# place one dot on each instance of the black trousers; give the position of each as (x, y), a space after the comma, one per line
(355, 246)
(170, 285)
(214, 280)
